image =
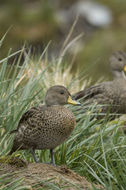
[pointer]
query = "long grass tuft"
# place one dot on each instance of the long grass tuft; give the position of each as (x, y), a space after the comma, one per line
(95, 150)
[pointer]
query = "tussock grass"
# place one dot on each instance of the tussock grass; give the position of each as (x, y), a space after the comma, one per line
(95, 150)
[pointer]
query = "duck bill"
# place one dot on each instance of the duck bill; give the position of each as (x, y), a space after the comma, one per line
(73, 102)
(124, 68)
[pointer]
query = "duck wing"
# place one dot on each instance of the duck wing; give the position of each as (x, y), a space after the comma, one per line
(93, 91)
(29, 114)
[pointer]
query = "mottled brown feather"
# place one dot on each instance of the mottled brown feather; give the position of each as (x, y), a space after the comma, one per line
(44, 127)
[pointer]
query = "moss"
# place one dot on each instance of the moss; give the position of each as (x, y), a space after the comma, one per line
(18, 162)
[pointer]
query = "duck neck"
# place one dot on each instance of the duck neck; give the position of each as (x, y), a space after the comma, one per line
(117, 74)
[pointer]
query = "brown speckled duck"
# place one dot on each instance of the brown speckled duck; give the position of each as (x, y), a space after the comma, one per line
(110, 94)
(47, 126)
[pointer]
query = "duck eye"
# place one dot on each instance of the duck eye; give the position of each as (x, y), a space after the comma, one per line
(62, 92)
(120, 59)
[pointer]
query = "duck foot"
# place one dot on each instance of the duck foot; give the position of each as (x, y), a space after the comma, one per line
(52, 157)
(34, 156)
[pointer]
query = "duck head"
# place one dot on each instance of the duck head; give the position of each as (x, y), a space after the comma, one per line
(118, 64)
(59, 95)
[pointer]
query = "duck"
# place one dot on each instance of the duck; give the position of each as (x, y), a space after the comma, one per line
(46, 126)
(111, 95)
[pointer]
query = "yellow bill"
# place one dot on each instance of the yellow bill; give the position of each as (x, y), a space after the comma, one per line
(73, 102)
(124, 68)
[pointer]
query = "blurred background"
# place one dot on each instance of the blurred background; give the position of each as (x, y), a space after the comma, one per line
(103, 24)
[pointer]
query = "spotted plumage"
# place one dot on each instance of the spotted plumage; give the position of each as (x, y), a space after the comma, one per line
(47, 126)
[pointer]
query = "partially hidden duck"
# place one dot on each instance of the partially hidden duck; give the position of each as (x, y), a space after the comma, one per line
(111, 95)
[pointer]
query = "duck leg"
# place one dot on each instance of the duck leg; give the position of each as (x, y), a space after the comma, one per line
(52, 157)
(34, 156)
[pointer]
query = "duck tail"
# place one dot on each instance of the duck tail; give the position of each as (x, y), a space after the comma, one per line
(14, 131)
